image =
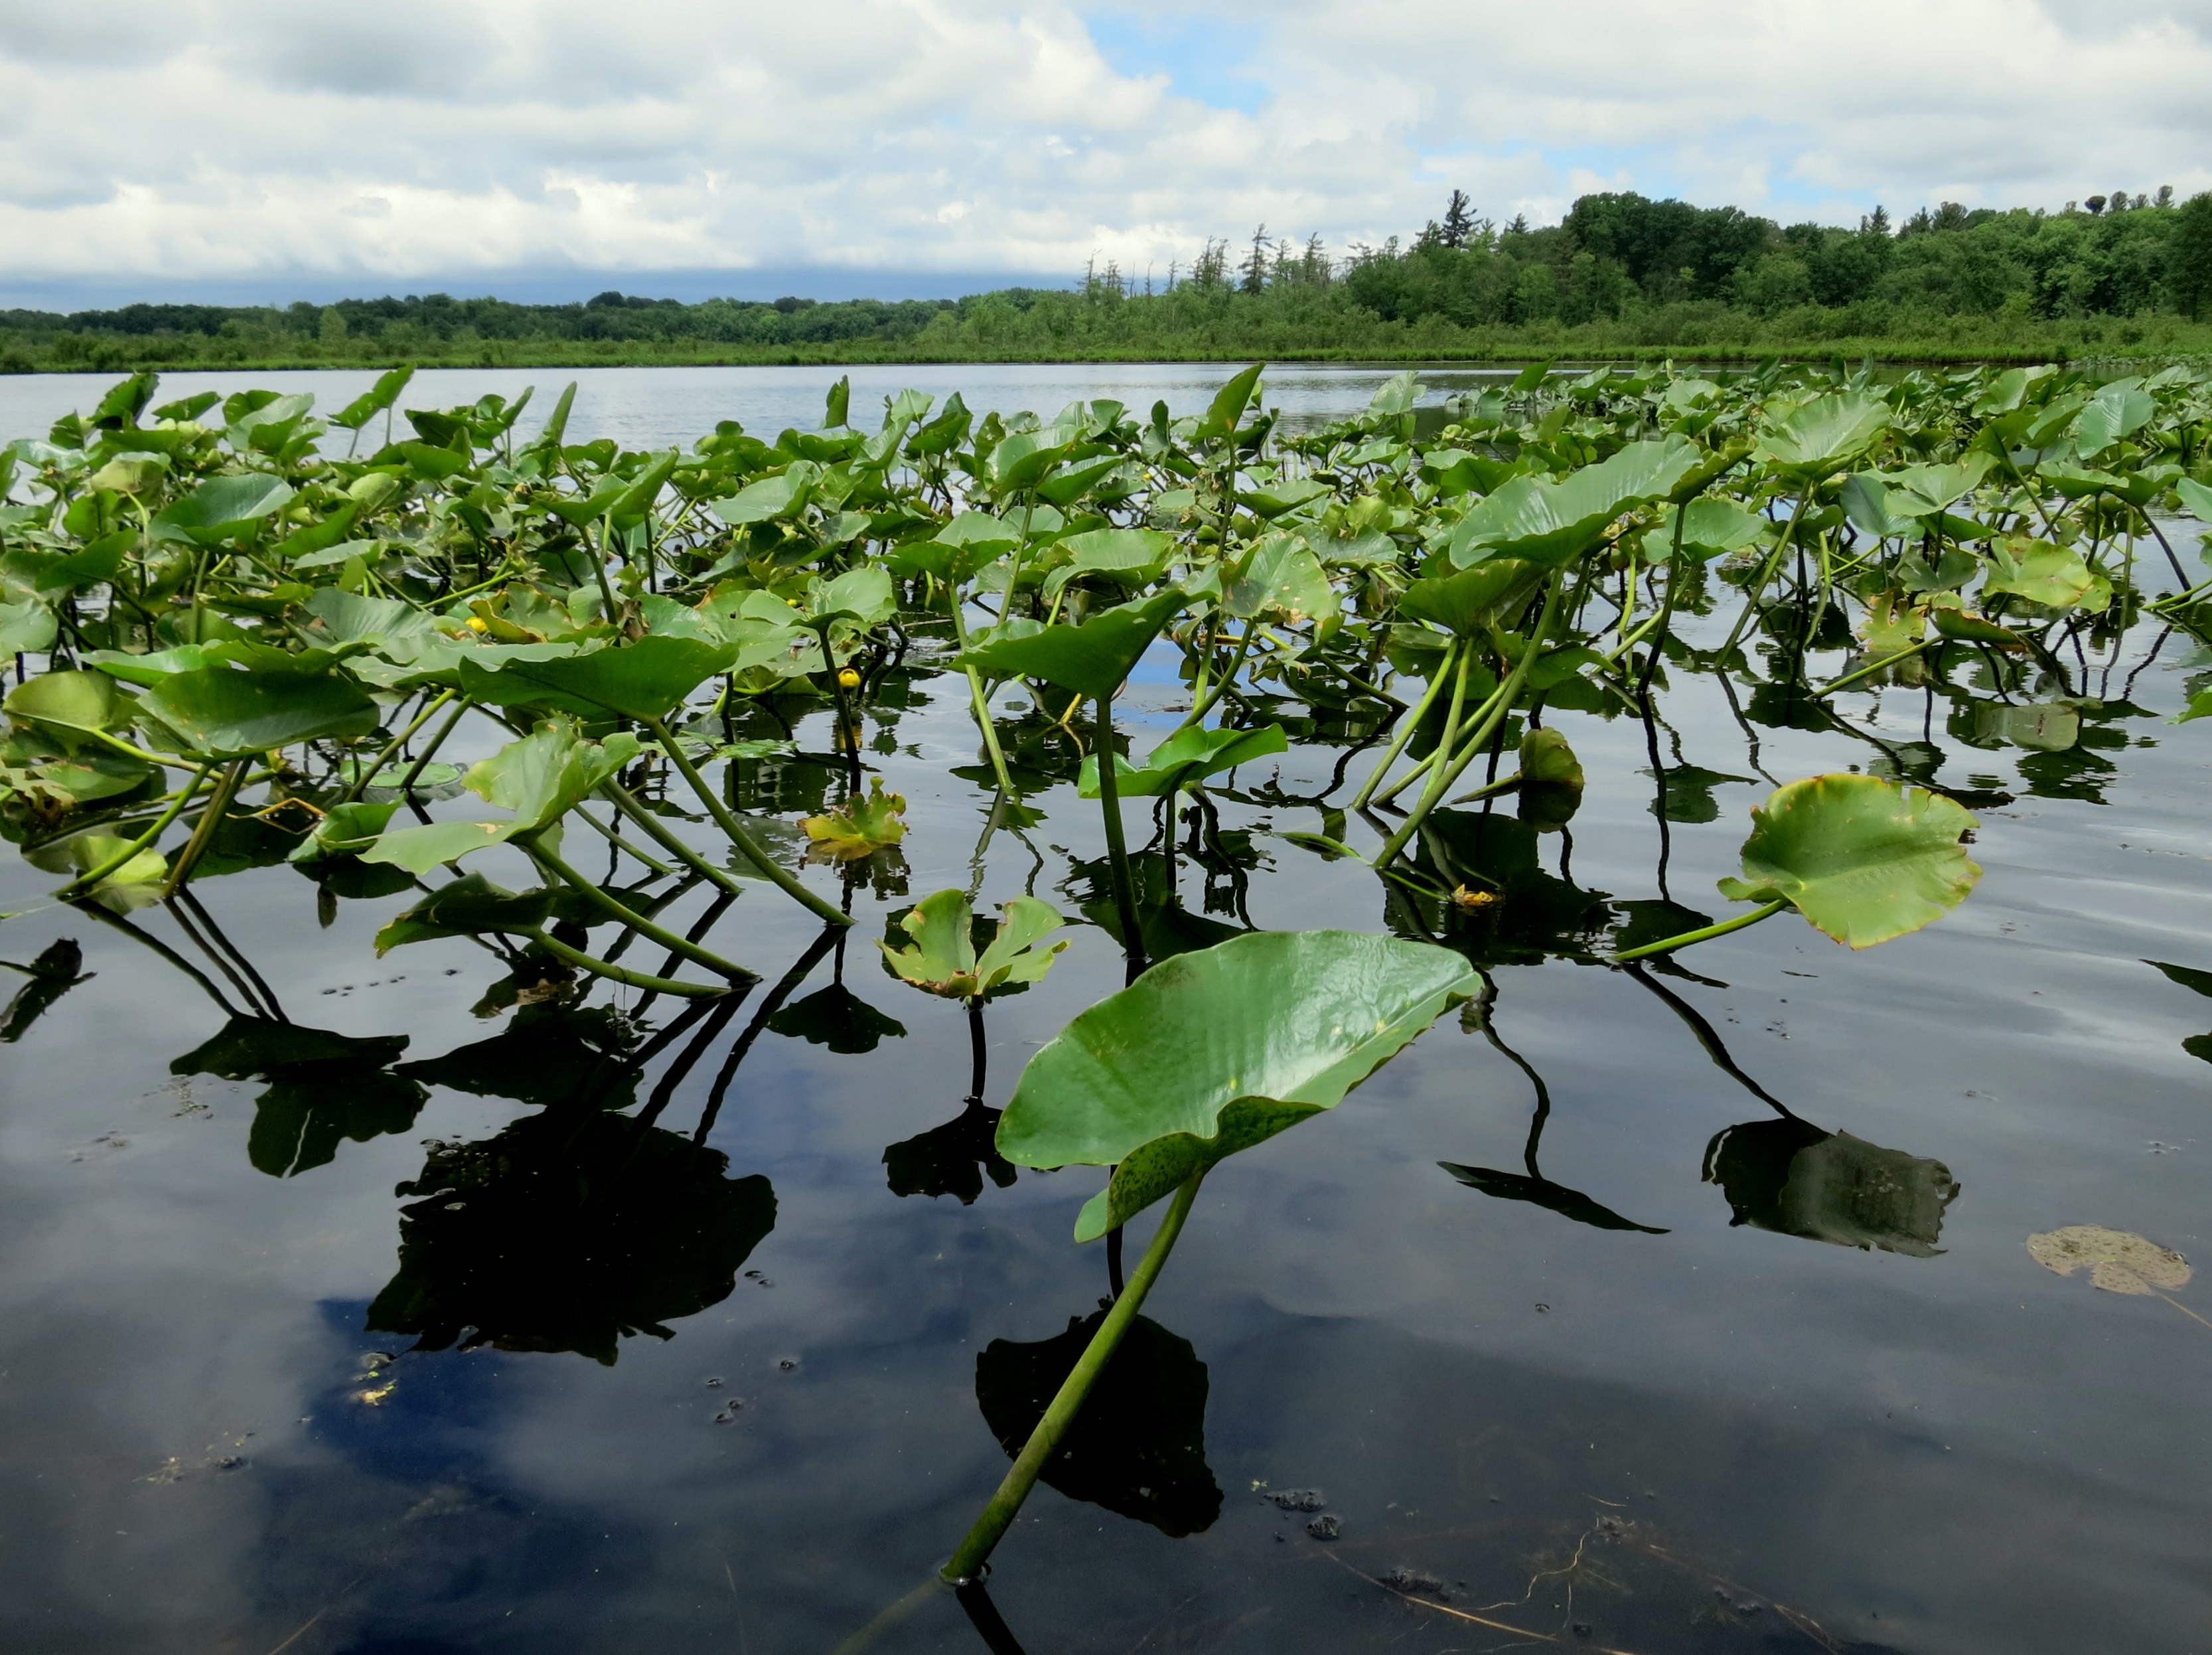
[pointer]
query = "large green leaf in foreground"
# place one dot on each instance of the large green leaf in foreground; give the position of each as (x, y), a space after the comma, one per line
(1862, 859)
(1212, 1052)
(226, 713)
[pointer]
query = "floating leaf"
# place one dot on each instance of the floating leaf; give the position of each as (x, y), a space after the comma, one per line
(540, 778)
(943, 958)
(1862, 859)
(642, 680)
(1213, 1052)
(2118, 1260)
(859, 827)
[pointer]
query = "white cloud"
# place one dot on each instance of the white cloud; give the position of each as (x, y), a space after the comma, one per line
(188, 139)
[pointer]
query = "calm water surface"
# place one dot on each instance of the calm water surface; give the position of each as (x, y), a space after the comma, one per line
(1752, 1440)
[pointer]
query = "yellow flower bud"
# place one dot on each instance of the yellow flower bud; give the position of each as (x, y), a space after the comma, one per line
(850, 679)
(478, 623)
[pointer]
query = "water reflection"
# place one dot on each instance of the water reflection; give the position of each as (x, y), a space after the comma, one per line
(1139, 1446)
(324, 1087)
(569, 1232)
(1792, 1178)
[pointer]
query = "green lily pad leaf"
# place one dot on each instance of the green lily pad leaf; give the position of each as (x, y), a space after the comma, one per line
(1280, 580)
(222, 505)
(540, 778)
(1188, 757)
(1972, 629)
(642, 680)
(863, 596)
(345, 831)
(1464, 602)
(1212, 1052)
(1825, 434)
(1133, 557)
(1862, 859)
(943, 958)
(860, 828)
(1091, 660)
(224, 713)
(468, 907)
(27, 628)
(136, 884)
(68, 703)
(1710, 528)
(341, 616)
(771, 497)
(2040, 572)
(1551, 523)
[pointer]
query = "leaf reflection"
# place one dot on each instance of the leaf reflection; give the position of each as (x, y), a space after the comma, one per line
(1790, 1177)
(1139, 1446)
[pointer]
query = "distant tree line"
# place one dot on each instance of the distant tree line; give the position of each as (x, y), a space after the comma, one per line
(1620, 272)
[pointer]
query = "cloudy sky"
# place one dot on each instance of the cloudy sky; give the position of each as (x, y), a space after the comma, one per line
(250, 148)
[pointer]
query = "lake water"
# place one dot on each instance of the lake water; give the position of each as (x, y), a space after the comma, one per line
(1654, 1422)
(654, 407)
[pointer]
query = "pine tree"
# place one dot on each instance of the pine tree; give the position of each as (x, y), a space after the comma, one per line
(1458, 227)
(1254, 267)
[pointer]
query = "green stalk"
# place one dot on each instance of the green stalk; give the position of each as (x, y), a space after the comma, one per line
(211, 819)
(422, 758)
(1868, 670)
(1498, 707)
(626, 804)
(1767, 910)
(1766, 574)
(730, 826)
(998, 1516)
(361, 779)
(1433, 765)
(1205, 704)
(1411, 722)
(980, 702)
(1117, 850)
(682, 947)
(659, 985)
(92, 877)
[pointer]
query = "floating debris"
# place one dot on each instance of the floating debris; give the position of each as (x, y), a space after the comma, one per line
(2118, 1260)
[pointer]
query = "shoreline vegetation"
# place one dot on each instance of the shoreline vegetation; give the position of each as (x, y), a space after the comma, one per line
(1620, 278)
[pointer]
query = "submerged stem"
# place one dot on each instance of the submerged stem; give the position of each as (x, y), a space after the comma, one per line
(783, 880)
(1766, 910)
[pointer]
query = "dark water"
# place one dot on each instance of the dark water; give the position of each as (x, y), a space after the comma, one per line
(1691, 1435)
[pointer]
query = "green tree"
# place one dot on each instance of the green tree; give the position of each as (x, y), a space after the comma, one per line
(2189, 255)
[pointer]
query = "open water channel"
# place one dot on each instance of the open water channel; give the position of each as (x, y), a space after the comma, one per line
(1585, 1382)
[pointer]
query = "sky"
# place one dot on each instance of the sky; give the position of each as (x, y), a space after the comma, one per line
(254, 150)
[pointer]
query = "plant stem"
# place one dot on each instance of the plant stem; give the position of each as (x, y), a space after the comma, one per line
(361, 779)
(659, 985)
(422, 759)
(1411, 722)
(1871, 669)
(991, 1527)
(626, 804)
(1117, 850)
(1766, 574)
(92, 877)
(980, 702)
(785, 882)
(1766, 910)
(210, 819)
(682, 947)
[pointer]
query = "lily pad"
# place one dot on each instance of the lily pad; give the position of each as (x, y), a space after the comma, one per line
(1864, 860)
(1212, 1052)
(943, 958)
